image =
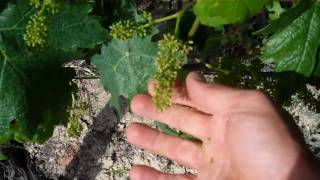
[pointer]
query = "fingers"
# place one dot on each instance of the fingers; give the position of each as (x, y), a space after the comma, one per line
(147, 173)
(179, 93)
(183, 118)
(209, 98)
(182, 151)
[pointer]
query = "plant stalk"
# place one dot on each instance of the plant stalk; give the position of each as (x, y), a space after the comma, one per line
(178, 16)
(194, 27)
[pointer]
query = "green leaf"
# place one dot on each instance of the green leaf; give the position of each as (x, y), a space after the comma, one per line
(12, 102)
(126, 66)
(35, 92)
(73, 28)
(166, 129)
(14, 19)
(127, 10)
(216, 13)
(295, 47)
(175, 133)
(285, 19)
(8, 17)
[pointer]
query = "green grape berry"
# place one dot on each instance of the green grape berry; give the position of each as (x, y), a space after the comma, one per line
(171, 56)
(36, 31)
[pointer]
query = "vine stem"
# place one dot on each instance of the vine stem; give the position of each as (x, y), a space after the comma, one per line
(167, 18)
(178, 16)
(194, 27)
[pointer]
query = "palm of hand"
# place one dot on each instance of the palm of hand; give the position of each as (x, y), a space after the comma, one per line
(243, 137)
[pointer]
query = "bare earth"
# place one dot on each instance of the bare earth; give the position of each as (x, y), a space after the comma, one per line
(101, 152)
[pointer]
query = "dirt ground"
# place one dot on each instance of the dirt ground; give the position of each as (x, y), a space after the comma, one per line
(101, 151)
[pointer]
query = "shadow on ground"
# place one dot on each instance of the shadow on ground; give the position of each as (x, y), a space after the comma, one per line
(87, 162)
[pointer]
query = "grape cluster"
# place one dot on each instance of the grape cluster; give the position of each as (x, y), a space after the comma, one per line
(35, 36)
(125, 29)
(52, 6)
(36, 31)
(36, 3)
(122, 30)
(170, 60)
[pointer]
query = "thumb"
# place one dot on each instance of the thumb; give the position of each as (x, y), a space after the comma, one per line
(208, 98)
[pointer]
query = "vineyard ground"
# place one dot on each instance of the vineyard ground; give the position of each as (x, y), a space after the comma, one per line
(101, 151)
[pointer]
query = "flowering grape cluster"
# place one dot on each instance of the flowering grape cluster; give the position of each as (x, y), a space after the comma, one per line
(122, 30)
(52, 6)
(171, 56)
(36, 32)
(35, 3)
(125, 29)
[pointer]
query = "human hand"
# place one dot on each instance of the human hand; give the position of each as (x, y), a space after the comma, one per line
(242, 134)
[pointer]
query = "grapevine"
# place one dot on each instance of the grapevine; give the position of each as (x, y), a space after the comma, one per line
(128, 48)
(171, 55)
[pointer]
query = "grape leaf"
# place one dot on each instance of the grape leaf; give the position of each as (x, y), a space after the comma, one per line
(295, 47)
(127, 10)
(285, 19)
(126, 66)
(12, 102)
(33, 97)
(216, 13)
(8, 17)
(73, 28)
(35, 90)
(14, 19)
